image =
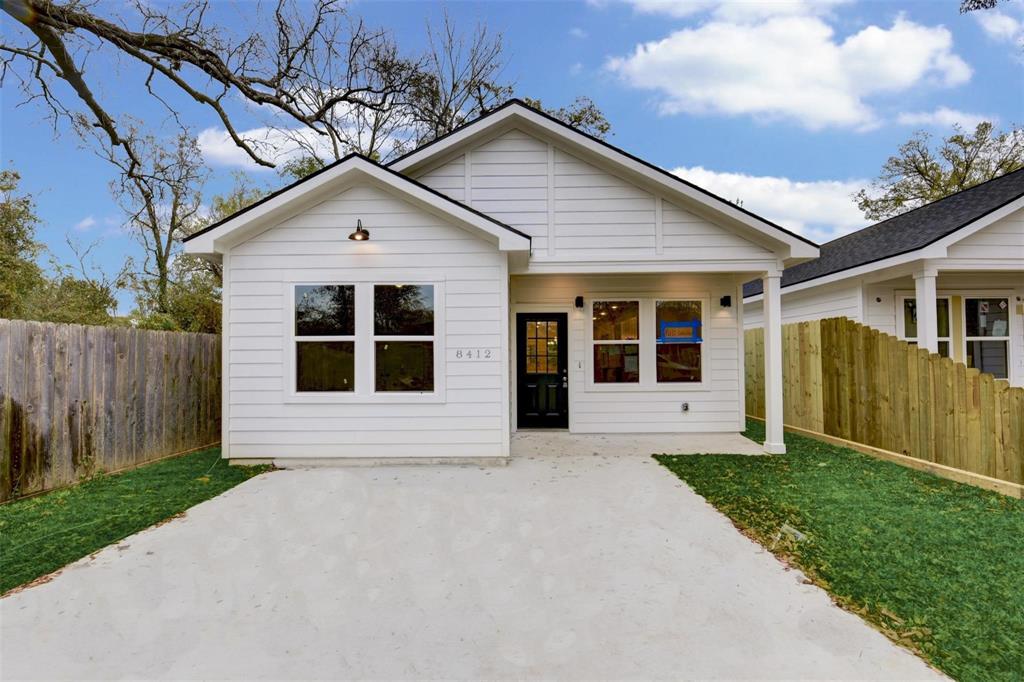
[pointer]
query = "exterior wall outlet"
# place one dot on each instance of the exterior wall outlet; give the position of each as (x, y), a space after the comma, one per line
(685, 407)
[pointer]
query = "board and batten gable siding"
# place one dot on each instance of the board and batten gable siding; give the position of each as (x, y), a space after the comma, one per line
(715, 406)
(407, 244)
(816, 303)
(575, 210)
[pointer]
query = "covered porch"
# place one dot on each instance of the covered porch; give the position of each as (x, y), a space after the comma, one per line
(530, 443)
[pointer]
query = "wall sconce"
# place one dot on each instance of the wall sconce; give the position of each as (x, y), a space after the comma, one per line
(725, 301)
(579, 303)
(361, 234)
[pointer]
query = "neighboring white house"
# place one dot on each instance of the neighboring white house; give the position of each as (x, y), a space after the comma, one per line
(963, 256)
(515, 273)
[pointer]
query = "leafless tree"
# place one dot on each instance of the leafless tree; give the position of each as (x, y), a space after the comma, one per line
(162, 197)
(298, 49)
(459, 79)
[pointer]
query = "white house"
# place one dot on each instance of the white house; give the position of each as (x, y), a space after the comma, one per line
(513, 274)
(948, 276)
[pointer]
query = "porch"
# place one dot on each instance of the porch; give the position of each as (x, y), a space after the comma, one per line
(560, 443)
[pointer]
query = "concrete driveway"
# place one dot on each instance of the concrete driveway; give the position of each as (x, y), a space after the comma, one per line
(571, 567)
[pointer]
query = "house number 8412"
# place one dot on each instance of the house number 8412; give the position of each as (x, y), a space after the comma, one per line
(473, 354)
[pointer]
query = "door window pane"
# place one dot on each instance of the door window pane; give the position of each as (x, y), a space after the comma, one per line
(403, 310)
(988, 356)
(616, 320)
(405, 365)
(616, 363)
(678, 362)
(325, 365)
(987, 316)
(325, 310)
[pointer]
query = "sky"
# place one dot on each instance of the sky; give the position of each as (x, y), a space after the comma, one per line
(789, 106)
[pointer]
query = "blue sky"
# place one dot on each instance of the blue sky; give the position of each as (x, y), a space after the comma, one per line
(789, 106)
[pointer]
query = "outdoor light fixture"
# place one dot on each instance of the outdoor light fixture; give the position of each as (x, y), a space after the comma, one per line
(361, 234)
(579, 302)
(725, 301)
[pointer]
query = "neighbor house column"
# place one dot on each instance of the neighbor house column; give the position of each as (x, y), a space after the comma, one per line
(773, 441)
(927, 317)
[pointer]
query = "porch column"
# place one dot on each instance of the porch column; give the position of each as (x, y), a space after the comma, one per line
(927, 317)
(772, 301)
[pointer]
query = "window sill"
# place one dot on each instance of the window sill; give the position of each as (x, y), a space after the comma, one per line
(647, 388)
(365, 398)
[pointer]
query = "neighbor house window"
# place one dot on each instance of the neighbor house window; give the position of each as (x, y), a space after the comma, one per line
(325, 338)
(987, 331)
(679, 337)
(403, 337)
(616, 342)
(942, 320)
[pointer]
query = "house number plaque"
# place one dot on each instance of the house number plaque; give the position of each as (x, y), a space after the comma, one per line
(473, 354)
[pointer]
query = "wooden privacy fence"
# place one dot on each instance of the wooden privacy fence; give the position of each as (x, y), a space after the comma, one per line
(75, 400)
(849, 381)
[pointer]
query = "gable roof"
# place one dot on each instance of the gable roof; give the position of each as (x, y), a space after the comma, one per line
(277, 205)
(800, 247)
(906, 232)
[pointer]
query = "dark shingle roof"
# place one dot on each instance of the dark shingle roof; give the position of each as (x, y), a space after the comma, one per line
(906, 232)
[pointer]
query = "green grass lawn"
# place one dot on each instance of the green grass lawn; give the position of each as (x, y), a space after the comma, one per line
(936, 565)
(42, 534)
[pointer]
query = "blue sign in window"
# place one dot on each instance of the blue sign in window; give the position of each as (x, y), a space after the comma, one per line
(680, 332)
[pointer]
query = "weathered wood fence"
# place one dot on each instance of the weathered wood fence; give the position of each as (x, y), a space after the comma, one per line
(846, 380)
(75, 400)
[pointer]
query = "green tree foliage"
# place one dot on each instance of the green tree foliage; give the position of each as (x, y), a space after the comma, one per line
(919, 174)
(582, 114)
(19, 272)
(299, 167)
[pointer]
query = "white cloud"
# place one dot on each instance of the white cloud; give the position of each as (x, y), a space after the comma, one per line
(790, 67)
(820, 210)
(944, 117)
(277, 146)
(576, 69)
(577, 32)
(1000, 27)
(85, 224)
(736, 10)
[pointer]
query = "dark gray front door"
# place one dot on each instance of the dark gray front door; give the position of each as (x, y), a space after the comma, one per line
(543, 372)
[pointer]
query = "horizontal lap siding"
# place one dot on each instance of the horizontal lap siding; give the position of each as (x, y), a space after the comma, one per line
(1002, 240)
(715, 409)
(813, 304)
(314, 246)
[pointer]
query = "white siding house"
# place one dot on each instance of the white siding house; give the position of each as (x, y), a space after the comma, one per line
(513, 274)
(963, 254)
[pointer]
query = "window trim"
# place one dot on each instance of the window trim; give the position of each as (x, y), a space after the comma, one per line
(365, 385)
(1007, 339)
(901, 323)
(648, 342)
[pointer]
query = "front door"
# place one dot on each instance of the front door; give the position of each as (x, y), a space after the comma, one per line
(543, 370)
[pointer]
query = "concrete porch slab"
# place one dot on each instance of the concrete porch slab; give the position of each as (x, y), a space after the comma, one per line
(543, 443)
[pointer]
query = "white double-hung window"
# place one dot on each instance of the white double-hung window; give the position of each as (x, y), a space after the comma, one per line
(987, 335)
(403, 337)
(325, 338)
(647, 343)
(365, 341)
(679, 341)
(616, 341)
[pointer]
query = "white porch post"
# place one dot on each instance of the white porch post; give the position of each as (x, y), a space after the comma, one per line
(927, 317)
(772, 301)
